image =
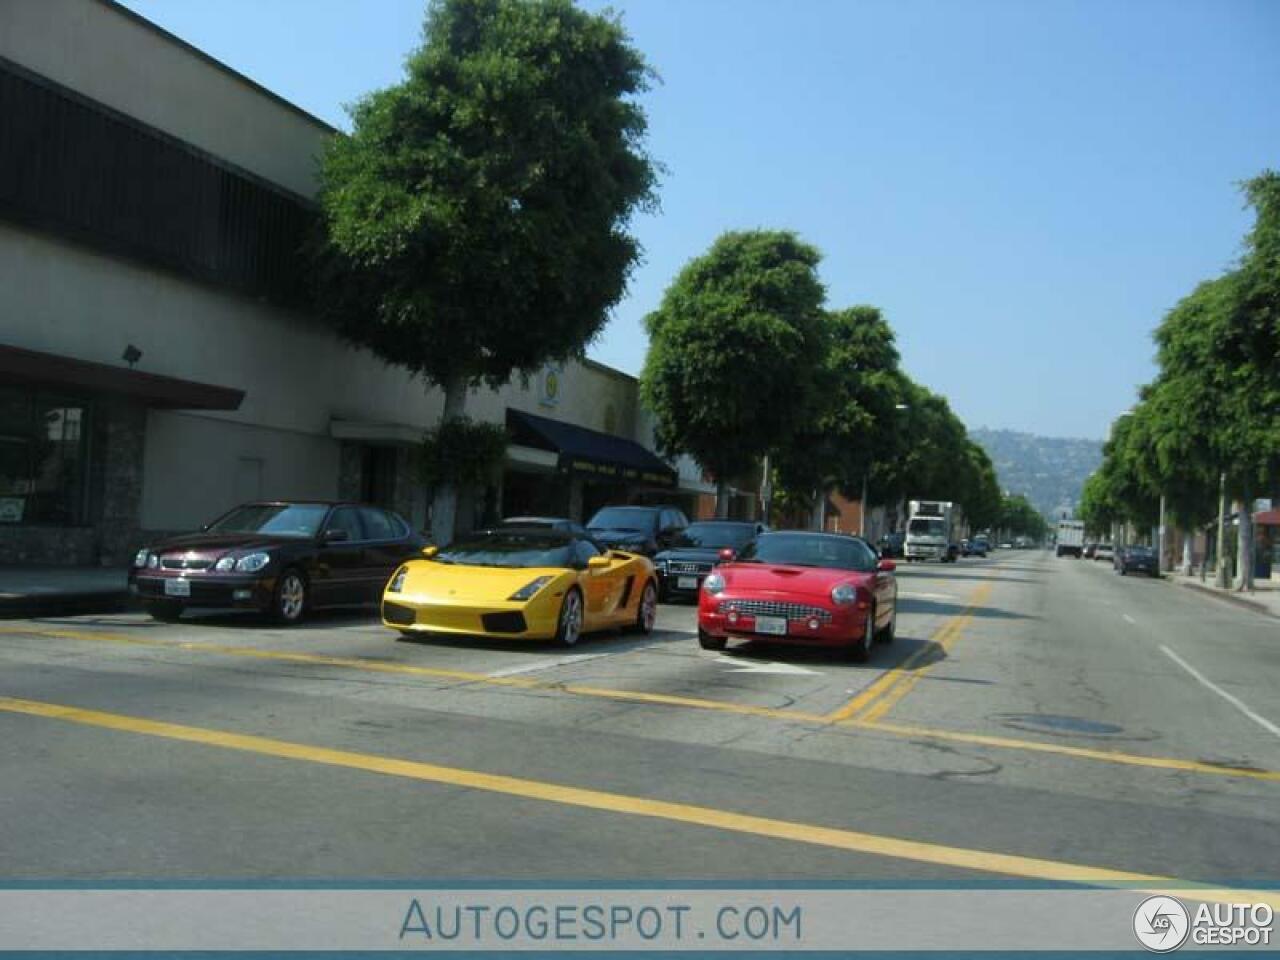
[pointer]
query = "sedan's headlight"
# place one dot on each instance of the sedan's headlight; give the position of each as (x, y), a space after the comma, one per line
(224, 564)
(530, 588)
(713, 584)
(397, 582)
(844, 594)
(153, 561)
(141, 557)
(253, 562)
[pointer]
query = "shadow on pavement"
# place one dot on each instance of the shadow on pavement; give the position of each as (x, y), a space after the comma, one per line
(945, 609)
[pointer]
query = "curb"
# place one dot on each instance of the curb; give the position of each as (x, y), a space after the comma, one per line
(62, 604)
(1227, 597)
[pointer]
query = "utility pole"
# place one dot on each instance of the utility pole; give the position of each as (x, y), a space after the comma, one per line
(862, 508)
(1222, 580)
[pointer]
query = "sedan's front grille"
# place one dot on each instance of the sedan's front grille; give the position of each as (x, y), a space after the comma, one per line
(688, 566)
(776, 608)
(180, 561)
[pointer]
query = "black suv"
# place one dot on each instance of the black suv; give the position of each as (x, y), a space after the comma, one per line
(643, 530)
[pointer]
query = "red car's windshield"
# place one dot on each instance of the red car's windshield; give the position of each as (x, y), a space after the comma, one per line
(810, 550)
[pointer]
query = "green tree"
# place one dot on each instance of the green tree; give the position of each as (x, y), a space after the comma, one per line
(1020, 519)
(475, 220)
(859, 388)
(732, 353)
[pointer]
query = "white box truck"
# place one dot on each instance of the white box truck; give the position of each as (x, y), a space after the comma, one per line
(931, 531)
(1070, 538)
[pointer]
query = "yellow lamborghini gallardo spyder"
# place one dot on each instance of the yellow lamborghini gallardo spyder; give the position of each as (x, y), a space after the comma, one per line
(531, 583)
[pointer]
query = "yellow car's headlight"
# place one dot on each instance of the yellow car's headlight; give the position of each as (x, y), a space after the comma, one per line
(530, 588)
(397, 581)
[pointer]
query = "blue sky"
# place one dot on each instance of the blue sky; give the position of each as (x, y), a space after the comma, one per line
(1023, 187)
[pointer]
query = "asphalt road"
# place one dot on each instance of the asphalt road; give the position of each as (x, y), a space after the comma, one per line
(1036, 718)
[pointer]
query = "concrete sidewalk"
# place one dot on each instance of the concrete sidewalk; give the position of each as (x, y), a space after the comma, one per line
(1265, 597)
(28, 591)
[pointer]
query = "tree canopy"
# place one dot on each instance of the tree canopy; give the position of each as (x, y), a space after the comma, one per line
(475, 220)
(733, 350)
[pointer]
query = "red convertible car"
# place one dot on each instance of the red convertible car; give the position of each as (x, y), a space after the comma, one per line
(823, 589)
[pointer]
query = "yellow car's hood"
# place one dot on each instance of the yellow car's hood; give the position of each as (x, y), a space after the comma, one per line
(429, 581)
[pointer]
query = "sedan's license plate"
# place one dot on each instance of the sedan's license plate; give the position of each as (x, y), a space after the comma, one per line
(177, 588)
(776, 626)
(686, 583)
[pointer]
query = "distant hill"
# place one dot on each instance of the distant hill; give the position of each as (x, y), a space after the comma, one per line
(1048, 471)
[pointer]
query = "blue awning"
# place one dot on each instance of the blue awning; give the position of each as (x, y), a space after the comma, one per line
(590, 452)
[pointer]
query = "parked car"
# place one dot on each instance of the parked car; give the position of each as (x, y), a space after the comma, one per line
(977, 547)
(891, 545)
(279, 557)
(524, 582)
(643, 530)
(1136, 559)
(826, 589)
(1089, 550)
(1104, 551)
(563, 524)
(1006, 545)
(682, 567)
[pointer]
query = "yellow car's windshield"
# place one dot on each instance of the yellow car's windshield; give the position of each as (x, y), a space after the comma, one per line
(506, 548)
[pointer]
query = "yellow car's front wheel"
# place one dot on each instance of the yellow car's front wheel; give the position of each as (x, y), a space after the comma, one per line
(569, 626)
(647, 611)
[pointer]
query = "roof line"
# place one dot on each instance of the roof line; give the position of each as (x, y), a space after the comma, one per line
(173, 38)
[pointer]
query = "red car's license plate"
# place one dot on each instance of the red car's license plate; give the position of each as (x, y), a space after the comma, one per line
(775, 626)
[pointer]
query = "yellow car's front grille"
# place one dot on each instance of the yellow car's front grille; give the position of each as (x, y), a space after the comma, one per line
(444, 617)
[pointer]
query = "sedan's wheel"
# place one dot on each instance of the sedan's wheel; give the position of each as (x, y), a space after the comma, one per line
(290, 601)
(707, 642)
(647, 612)
(569, 627)
(165, 610)
(860, 649)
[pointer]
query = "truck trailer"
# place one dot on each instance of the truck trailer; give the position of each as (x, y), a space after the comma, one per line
(931, 531)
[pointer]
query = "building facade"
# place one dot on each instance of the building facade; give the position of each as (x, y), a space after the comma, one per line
(158, 363)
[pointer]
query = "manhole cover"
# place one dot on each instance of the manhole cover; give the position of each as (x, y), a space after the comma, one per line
(1057, 723)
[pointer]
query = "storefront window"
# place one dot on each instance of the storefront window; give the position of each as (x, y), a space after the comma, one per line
(42, 458)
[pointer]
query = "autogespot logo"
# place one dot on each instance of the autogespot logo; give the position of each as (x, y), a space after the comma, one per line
(1161, 924)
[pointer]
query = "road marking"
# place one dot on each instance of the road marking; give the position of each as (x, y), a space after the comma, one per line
(435, 673)
(545, 664)
(1229, 697)
(748, 666)
(658, 699)
(816, 835)
(1129, 619)
(940, 641)
(1082, 753)
(926, 596)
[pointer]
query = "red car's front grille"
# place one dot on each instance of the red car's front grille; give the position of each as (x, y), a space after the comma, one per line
(776, 608)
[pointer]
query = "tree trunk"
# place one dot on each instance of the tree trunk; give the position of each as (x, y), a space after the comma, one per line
(1244, 573)
(1186, 555)
(1221, 579)
(819, 519)
(722, 499)
(444, 509)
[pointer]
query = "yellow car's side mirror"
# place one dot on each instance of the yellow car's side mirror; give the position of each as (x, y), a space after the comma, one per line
(430, 552)
(598, 564)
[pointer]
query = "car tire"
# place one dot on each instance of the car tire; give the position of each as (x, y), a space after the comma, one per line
(291, 598)
(165, 611)
(569, 623)
(707, 642)
(860, 649)
(647, 610)
(891, 631)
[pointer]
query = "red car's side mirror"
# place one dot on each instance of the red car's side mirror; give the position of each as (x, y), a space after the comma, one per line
(726, 554)
(886, 566)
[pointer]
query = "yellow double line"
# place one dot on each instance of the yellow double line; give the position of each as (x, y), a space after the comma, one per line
(880, 697)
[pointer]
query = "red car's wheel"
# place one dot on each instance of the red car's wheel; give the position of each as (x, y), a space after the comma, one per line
(860, 646)
(707, 642)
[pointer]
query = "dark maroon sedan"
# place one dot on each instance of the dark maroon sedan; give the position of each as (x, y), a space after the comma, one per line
(281, 558)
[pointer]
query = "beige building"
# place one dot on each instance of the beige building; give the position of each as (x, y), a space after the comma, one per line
(157, 363)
